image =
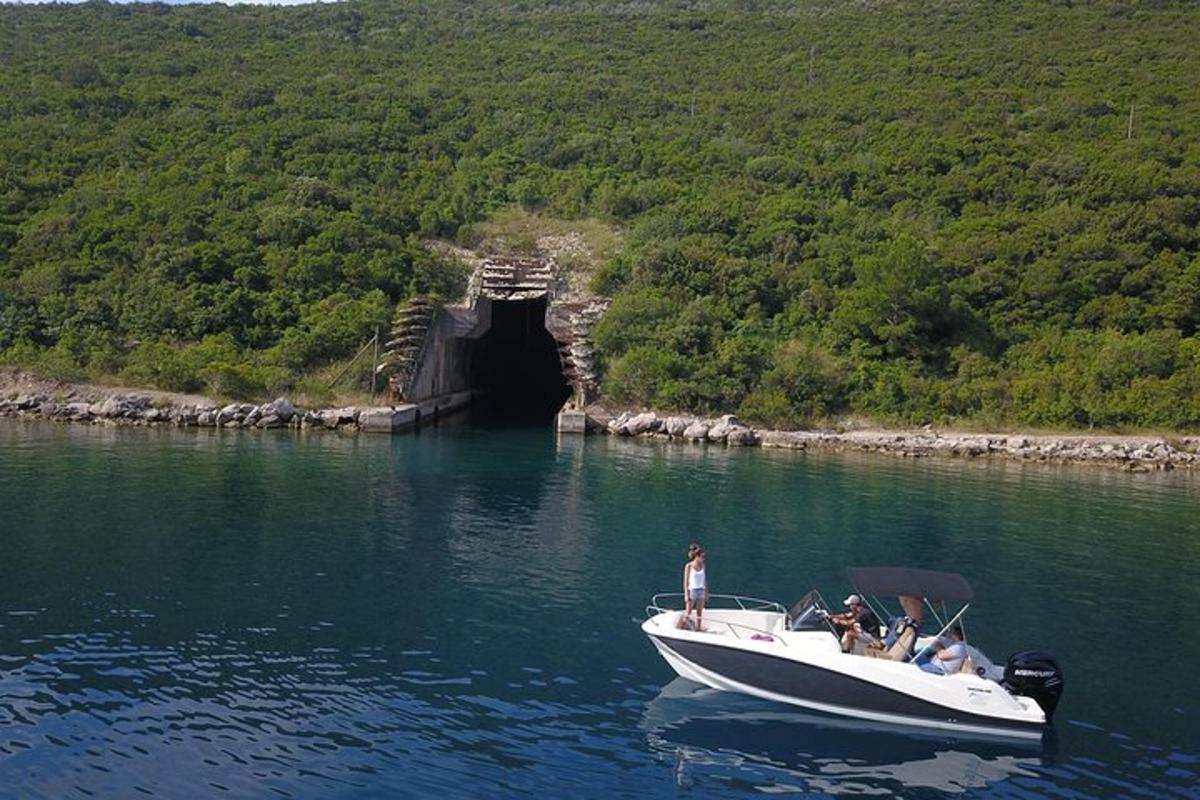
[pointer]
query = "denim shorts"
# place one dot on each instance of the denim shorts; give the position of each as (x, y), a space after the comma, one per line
(695, 595)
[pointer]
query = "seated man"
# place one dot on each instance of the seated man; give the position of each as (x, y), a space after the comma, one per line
(859, 623)
(947, 660)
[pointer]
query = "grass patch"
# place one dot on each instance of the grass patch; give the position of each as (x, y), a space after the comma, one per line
(580, 246)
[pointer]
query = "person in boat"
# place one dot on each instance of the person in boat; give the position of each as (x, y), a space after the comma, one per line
(901, 637)
(695, 587)
(858, 623)
(947, 660)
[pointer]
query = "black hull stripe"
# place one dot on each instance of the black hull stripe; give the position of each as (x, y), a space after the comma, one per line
(808, 682)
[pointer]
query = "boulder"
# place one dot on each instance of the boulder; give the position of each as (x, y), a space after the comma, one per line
(333, 417)
(741, 436)
(647, 422)
(617, 425)
(696, 432)
(675, 426)
(77, 411)
(784, 439)
(207, 418)
(279, 407)
(271, 421)
(720, 430)
(114, 407)
(227, 414)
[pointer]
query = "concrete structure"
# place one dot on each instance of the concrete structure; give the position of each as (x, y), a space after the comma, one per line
(408, 416)
(512, 340)
(571, 421)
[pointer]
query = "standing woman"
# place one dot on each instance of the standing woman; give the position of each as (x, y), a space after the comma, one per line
(695, 587)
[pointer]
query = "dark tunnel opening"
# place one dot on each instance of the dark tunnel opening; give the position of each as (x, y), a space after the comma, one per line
(517, 363)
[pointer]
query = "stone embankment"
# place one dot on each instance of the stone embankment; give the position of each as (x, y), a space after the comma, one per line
(138, 409)
(86, 404)
(1135, 453)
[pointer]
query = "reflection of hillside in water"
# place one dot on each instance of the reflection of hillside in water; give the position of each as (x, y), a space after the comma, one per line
(521, 525)
(706, 731)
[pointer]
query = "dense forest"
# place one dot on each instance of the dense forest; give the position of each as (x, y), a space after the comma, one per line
(913, 211)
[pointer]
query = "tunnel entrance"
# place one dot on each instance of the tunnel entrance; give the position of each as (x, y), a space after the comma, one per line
(517, 363)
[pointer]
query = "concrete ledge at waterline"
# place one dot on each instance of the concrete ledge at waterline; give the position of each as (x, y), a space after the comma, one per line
(435, 407)
(571, 422)
(388, 419)
(406, 417)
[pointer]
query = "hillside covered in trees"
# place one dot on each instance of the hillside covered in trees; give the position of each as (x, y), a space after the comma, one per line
(917, 211)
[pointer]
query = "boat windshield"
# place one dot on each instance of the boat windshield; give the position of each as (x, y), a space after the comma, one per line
(809, 614)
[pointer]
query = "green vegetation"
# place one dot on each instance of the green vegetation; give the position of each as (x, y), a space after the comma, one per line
(910, 210)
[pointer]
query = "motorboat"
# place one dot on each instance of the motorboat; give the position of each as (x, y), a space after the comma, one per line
(794, 655)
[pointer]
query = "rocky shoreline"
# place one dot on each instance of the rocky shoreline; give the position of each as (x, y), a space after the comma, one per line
(94, 405)
(143, 410)
(1133, 453)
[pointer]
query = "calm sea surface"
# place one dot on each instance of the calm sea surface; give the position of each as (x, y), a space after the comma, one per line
(222, 614)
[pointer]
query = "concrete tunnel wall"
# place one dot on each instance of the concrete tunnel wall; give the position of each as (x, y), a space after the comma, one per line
(499, 353)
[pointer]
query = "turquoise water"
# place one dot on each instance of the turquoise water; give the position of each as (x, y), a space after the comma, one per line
(224, 614)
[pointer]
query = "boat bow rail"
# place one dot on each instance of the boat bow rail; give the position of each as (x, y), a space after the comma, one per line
(724, 602)
(740, 602)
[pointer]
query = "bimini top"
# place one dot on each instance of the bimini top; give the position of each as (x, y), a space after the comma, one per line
(909, 580)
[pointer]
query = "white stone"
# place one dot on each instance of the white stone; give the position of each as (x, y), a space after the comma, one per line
(642, 423)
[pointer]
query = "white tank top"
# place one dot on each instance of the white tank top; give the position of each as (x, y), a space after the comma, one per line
(696, 578)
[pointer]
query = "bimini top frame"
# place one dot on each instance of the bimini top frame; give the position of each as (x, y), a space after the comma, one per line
(933, 586)
(926, 585)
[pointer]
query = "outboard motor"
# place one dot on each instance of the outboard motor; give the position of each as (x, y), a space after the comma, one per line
(1034, 674)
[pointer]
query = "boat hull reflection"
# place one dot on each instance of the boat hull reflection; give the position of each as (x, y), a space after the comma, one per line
(702, 729)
